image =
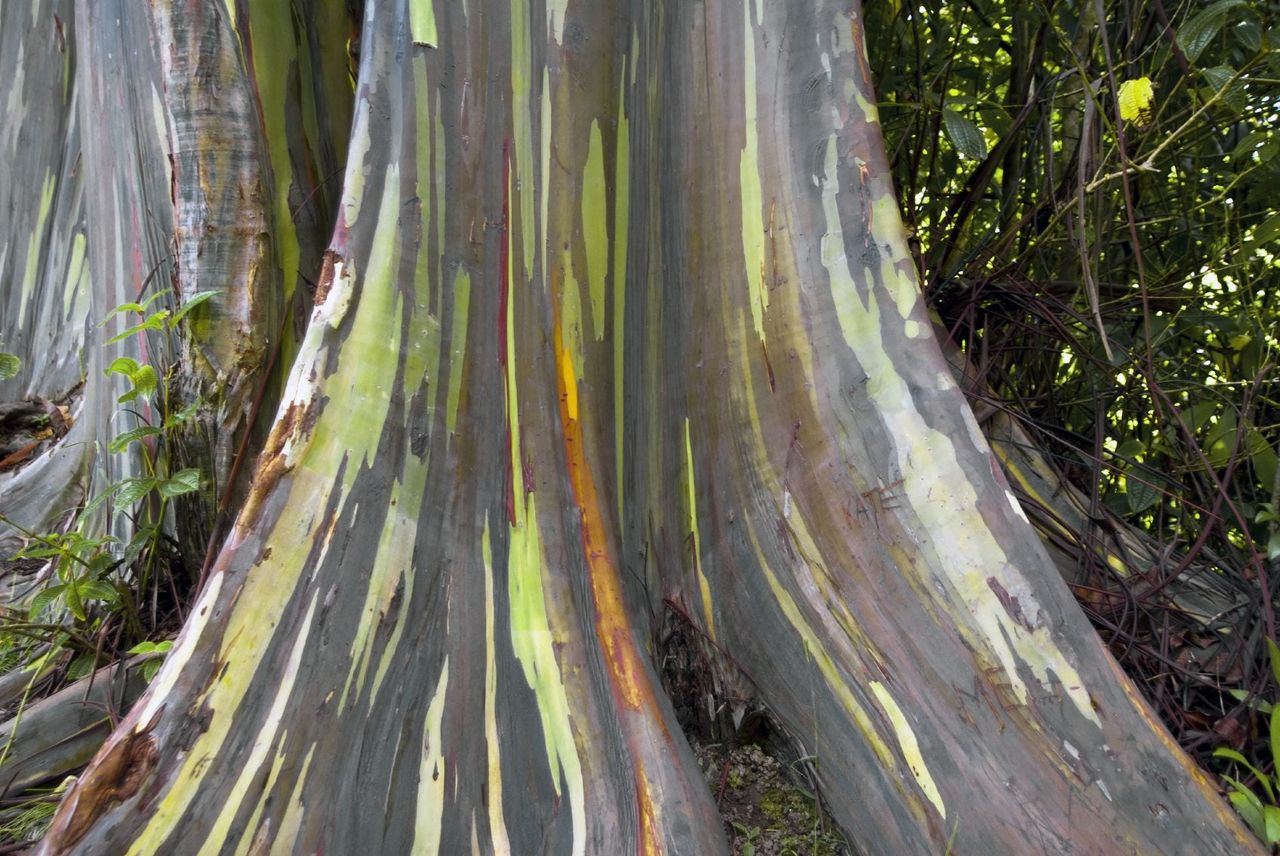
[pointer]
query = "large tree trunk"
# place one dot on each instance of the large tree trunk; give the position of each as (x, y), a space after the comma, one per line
(618, 319)
(45, 300)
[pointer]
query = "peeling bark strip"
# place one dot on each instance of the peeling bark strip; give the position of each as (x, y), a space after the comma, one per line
(122, 766)
(616, 280)
(327, 272)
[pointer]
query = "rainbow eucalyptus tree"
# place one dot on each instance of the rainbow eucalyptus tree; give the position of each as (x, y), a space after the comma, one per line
(616, 323)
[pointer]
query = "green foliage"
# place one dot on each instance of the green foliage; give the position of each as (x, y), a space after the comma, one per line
(1107, 258)
(97, 584)
(1260, 811)
(28, 820)
(157, 650)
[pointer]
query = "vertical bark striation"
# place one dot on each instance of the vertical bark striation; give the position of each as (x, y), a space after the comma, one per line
(855, 546)
(44, 305)
(618, 312)
(419, 615)
(129, 214)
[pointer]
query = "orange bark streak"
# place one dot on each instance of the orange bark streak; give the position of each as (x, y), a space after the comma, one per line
(627, 672)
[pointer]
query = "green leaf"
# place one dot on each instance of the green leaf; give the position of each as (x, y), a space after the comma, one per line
(1248, 806)
(42, 552)
(1250, 143)
(1266, 232)
(151, 666)
(1273, 546)
(1218, 77)
(42, 599)
(192, 302)
(1275, 739)
(154, 321)
(141, 540)
(1131, 449)
(144, 384)
(1141, 495)
(102, 497)
(72, 597)
(124, 307)
(132, 490)
(183, 481)
(1221, 439)
(1249, 34)
(9, 366)
(964, 135)
(121, 441)
(149, 647)
(1233, 755)
(1254, 704)
(1198, 414)
(1195, 35)
(1135, 99)
(99, 590)
(122, 365)
(81, 666)
(1271, 820)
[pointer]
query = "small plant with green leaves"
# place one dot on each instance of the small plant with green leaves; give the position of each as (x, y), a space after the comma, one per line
(1260, 810)
(750, 837)
(95, 579)
(1268, 514)
(28, 820)
(9, 365)
(154, 652)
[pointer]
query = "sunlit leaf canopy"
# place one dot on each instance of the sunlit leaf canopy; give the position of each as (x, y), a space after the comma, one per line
(1109, 266)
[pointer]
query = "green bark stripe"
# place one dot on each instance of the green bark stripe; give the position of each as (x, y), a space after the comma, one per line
(422, 23)
(534, 644)
(594, 231)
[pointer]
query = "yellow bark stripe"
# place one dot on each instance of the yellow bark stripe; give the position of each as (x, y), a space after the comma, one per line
(937, 489)
(429, 809)
(691, 499)
(909, 745)
(263, 741)
(749, 179)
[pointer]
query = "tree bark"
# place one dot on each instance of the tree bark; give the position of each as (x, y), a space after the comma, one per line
(617, 318)
(43, 250)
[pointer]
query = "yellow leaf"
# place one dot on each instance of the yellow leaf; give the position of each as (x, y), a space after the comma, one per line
(1135, 99)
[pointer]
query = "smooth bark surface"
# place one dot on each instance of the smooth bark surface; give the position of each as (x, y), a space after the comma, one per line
(617, 319)
(45, 300)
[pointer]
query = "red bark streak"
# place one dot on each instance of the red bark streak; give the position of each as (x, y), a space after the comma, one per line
(768, 367)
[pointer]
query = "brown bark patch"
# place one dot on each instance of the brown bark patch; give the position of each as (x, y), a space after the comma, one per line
(272, 465)
(1009, 602)
(115, 777)
(327, 270)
